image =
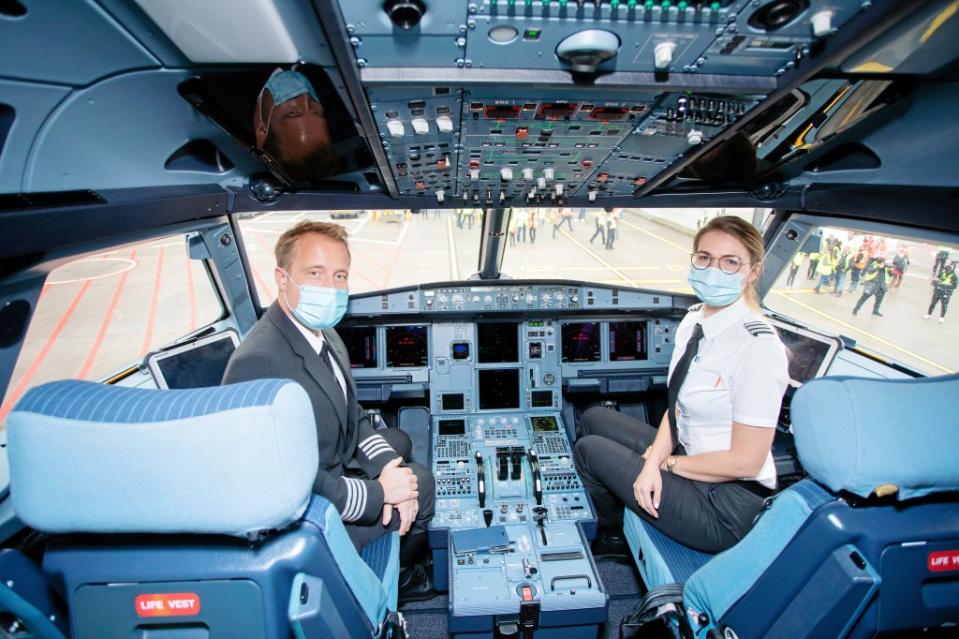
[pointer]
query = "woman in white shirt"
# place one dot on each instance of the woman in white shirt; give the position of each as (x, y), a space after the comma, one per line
(702, 476)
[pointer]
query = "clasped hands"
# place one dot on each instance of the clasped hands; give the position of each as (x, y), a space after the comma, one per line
(400, 491)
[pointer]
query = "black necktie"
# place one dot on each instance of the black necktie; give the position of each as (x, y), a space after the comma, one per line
(679, 376)
(327, 358)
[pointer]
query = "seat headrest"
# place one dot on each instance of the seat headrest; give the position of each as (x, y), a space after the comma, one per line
(92, 458)
(877, 435)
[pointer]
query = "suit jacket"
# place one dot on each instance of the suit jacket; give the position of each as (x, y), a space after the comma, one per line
(276, 348)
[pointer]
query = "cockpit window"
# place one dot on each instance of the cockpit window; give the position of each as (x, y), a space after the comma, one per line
(388, 248)
(642, 248)
(101, 313)
(890, 294)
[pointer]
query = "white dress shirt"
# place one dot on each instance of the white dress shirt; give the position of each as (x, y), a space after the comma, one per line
(316, 341)
(739, 374)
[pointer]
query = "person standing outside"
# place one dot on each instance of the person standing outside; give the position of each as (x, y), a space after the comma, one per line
(899, 264)
(522, 220)
(824, 270)
(533, 225)
(794, 268)
(813, 265)
(859, 261)
(943, 286)
(875, 283)
(840, 270)
(600, 218)
(612, 225)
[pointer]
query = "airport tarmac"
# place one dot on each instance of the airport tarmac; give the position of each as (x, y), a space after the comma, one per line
(104, 312)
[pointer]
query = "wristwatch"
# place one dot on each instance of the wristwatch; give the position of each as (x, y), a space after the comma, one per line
(671, 463)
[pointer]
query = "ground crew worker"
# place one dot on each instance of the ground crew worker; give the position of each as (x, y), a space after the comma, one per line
(824, 269)
(874, 283)
(943, 287)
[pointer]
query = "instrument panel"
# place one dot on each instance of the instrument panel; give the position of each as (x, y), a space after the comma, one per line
(495, 102)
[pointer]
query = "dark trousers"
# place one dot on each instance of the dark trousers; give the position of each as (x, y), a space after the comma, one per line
(706, 516)
(869, 291)
(601, 232)
(610, 237)
(793, 269)
(943, 298)
(532, 234)
(413, 541)
(521, 233)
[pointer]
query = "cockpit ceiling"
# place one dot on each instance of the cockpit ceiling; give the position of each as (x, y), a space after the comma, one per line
(437, 102)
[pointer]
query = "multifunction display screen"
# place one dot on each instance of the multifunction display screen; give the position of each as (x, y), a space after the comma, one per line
(360, 344)
(581, 342)
(498, 388)
(627, 341)
(497, 343)
(406, 346)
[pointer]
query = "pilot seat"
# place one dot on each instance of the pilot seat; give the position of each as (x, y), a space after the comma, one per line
(188, 514)
(867, 544)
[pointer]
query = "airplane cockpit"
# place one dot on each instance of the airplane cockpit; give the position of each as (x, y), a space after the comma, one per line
(508, 201)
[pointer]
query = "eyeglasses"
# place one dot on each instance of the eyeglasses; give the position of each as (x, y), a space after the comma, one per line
(727, 263)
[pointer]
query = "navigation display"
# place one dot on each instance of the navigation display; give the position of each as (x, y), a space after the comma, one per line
(544, 424)
(360, 344)
(581, 342)
(406, 346)
(498, 343)
(627, 341)
(498, 388)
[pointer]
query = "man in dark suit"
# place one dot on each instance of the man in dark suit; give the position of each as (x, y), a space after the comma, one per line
(362, 470)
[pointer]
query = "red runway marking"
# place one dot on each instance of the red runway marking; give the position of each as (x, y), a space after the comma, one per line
(107, 318)
(396, 255)
(261, 283)
(25, 380)
(269, 251)
(191, 293)
(151, 318)
(354, 251)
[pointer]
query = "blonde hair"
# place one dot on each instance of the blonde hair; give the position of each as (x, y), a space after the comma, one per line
(287, 242)
(751, 239)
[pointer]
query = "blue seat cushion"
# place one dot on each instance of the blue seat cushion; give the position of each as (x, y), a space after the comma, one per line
(93, 458)
(382, 556)
(716, 586)
(373, 573)
(858, 434)
(660, 559)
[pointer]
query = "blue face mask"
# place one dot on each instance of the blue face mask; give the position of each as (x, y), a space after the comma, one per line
(714, 287)
(286, 85)
(319, 306)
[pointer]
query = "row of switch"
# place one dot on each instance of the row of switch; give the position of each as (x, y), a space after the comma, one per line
(421, 126)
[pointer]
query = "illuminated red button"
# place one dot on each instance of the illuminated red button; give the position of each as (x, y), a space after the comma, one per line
(602, 177)
(420, 185)
(639, 181)
(522, 132)
(474, 164)
(441, 164)
(587, 163)
(527, 593)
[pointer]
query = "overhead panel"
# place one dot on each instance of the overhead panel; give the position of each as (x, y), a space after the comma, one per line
(517, 102)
